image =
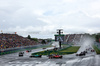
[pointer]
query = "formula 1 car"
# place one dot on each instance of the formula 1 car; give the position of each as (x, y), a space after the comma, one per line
(44, 48)
(92, 50)
(82, 53)
(21, 54)
(54, 56)
(28, 50)
(36, 56)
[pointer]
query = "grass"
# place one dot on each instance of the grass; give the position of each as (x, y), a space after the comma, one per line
(96, 49)
(64, 45)
(68, 50)
(71, 49)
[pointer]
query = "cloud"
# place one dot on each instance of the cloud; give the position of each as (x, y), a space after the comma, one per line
(45, 16)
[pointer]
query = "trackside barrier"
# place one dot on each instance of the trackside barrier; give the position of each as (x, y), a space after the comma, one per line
(13, 50)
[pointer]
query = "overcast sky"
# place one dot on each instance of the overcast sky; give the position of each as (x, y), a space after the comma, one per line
(41, 18)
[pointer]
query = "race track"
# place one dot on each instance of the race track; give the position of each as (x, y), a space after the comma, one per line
(91, 59)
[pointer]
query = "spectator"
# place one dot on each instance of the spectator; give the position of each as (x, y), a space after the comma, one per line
(13, 40)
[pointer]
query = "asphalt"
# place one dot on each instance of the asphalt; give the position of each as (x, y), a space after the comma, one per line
(91, 59)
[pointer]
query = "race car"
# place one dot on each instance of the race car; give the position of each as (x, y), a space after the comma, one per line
(37, 56)
(54, 56)
(92, 50)
(43, 48)
(81, 54)
(85, 51)
(21, 54)
(28, 50)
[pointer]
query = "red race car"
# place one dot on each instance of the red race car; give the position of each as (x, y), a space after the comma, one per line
(55, 56)
(28, 50)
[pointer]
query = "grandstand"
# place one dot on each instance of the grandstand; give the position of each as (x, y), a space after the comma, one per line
(74, 38)
(13, 40)
(8, 41)
(71, 38)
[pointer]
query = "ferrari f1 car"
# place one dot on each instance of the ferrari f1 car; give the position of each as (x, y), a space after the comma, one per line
(54, 56)
(28, 50)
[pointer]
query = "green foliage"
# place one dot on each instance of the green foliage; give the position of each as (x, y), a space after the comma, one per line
(96, 49)
(35, 39)
(48, 40)
(43, 42)
(96, 36)
(29, 37)
(93, 35)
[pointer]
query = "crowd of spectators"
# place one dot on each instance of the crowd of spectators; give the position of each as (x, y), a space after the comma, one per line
(66, 37)
(14, 40)
(71, 38)
(74, 38)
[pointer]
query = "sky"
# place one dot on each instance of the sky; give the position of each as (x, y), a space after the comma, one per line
(41, 18)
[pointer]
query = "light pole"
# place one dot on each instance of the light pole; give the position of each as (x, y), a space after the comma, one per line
(59, 31)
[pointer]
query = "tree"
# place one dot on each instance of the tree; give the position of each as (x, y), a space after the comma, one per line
(43, 42)
(29, 37)
(97, 37)
(35, 39)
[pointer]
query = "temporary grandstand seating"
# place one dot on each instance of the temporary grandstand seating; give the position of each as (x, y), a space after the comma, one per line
(74, 38)
(71, 38)
(14, 40)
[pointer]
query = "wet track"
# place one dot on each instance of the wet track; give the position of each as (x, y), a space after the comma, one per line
(91, 59)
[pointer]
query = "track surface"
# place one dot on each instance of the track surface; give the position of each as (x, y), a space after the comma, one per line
(91, 59)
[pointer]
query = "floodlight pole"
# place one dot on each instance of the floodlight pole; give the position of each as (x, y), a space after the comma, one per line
(59, 31)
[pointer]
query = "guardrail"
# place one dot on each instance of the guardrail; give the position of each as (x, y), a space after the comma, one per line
(13, 50)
